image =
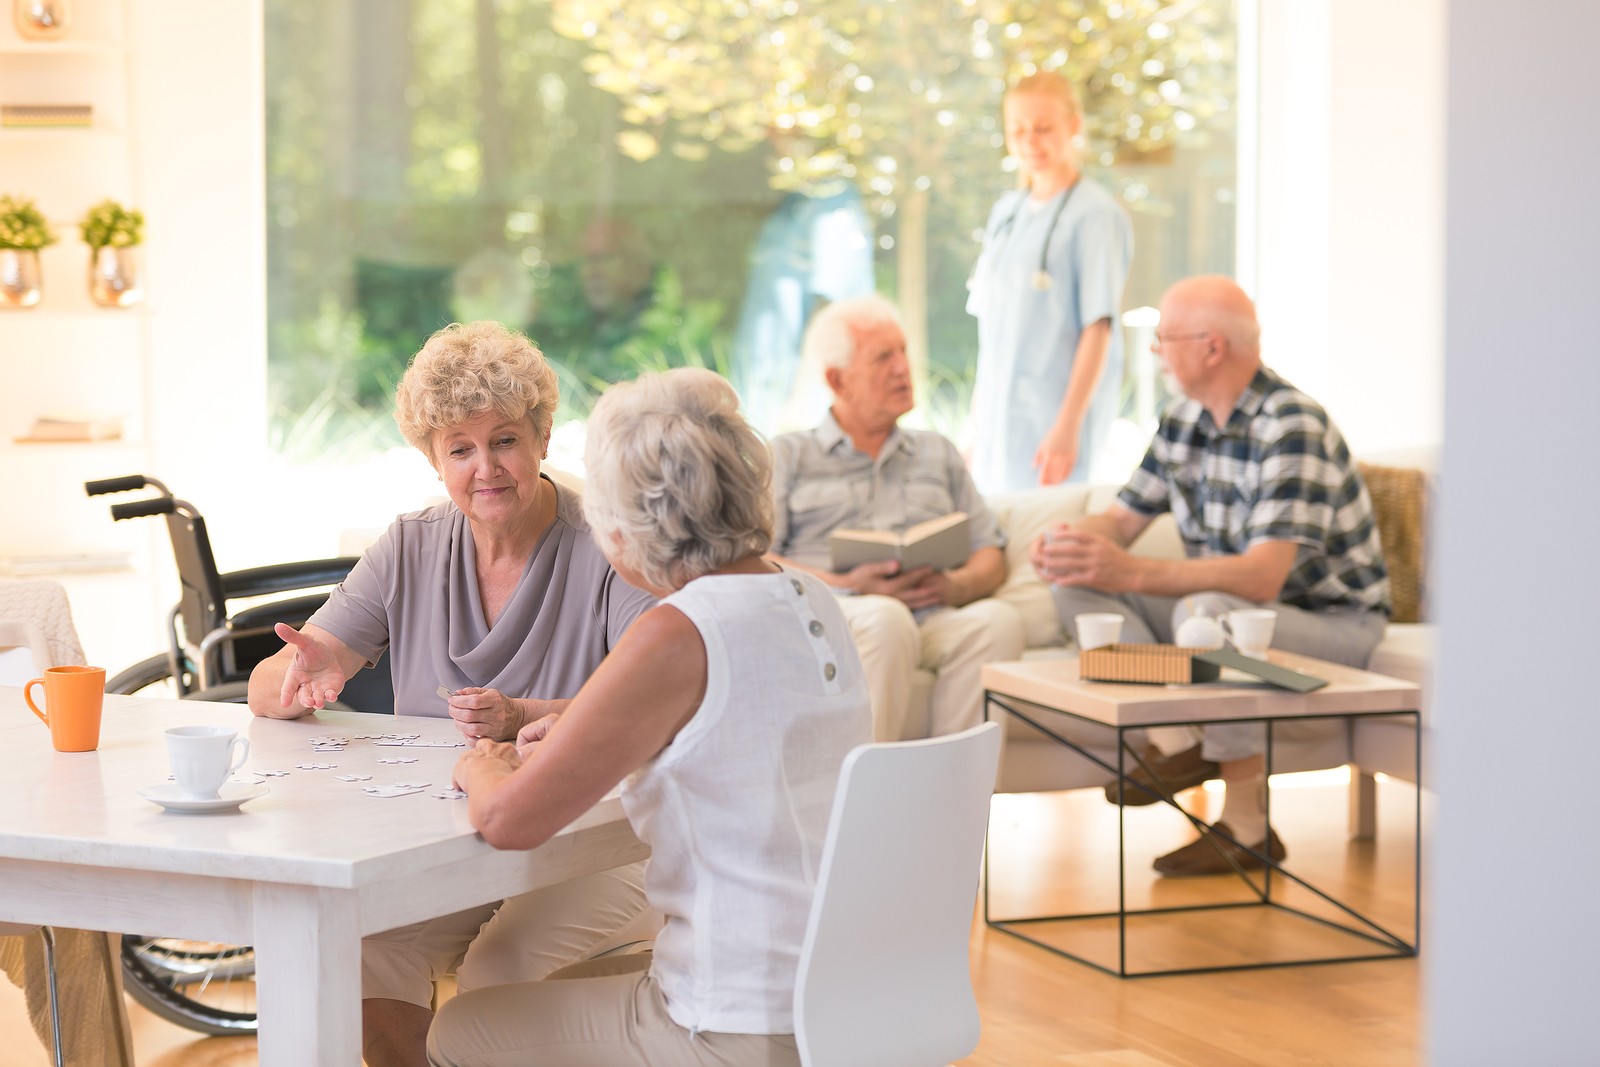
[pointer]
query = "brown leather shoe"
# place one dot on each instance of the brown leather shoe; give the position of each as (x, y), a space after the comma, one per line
(1205, 855)
(1172, 774)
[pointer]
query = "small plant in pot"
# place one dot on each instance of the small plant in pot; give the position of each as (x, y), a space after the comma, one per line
(23, 231)
(112, 231)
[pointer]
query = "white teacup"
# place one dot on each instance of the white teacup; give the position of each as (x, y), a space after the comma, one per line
(1097, 628)
(203, 757)
(1250, 629)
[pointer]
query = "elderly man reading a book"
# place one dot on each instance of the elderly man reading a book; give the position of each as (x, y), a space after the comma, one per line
(872, 508)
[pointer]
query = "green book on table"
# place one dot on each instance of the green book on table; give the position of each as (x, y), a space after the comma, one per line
(942, 543)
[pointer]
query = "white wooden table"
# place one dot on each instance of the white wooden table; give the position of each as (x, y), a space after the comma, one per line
(301, 873)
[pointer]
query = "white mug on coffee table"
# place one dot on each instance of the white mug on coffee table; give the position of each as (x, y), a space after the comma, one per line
(203, 758)
(1250, 630)
(1097, 628)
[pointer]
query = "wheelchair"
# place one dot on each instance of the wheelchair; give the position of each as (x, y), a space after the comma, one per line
(206, 986)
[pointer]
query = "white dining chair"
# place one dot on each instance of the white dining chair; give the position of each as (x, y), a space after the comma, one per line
(43, 603)
(884, 979)
(24, 654)
(23, 646)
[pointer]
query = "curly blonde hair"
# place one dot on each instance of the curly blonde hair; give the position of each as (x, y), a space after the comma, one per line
(470, 368)
(672, 466)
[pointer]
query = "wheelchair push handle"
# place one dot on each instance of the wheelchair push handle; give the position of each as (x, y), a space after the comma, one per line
(138, 509)
(125, 483)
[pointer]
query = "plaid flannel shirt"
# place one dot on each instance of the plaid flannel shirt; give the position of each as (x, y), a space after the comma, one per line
(1278, 471)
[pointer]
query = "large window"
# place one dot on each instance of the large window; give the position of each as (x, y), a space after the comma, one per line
(641, 184)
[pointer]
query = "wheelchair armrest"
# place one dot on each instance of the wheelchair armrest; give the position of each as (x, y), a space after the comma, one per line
(259, 581)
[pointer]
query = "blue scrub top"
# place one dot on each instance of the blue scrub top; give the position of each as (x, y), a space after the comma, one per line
(1027, 337)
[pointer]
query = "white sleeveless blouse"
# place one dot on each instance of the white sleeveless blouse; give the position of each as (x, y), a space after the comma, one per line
(736, 808)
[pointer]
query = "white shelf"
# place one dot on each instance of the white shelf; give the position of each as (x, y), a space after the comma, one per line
(42, 316)
(116, 444)
(68, 353)
(62, 133)
(66, 46)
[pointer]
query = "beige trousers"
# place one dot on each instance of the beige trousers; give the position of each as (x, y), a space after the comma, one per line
(603, 1013)
(953, 643)
(94, 1022)
(517, 940)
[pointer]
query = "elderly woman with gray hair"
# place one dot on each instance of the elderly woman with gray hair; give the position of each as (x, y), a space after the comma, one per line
(501, 598)
(728, 708)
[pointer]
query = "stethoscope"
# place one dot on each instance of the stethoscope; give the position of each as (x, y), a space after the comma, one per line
(1041, 277)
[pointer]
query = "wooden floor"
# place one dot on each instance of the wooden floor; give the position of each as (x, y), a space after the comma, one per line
(1055, 853)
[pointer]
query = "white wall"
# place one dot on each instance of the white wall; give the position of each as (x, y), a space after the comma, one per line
(1513, 875)
(198, 105)
(1350, 250)
(1292, 225)
(201, 114)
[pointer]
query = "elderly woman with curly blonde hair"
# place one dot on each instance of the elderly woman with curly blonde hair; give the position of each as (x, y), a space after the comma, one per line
(727, 710)
(501, 598)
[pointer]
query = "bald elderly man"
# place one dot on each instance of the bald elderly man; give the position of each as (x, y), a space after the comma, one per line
(1272, 513)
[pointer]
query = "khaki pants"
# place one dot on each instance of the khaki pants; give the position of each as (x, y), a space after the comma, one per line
(604, 1013)
(517, 940)
(953, 643)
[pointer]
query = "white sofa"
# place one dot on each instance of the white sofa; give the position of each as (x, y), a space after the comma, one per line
(1033, 762)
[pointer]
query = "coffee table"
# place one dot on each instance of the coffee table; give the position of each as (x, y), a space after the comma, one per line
(1049, 696)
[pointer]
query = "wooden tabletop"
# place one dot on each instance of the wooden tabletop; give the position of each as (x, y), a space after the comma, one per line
(1054, 684)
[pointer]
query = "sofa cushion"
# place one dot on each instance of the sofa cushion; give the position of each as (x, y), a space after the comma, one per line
(1406, 651)
(1024, 517)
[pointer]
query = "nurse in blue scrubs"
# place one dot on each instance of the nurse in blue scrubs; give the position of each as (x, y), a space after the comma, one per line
(1046, 291)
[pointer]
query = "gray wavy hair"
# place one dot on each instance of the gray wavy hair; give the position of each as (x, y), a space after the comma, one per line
(830, 339)
(672, 467)
(470, 368)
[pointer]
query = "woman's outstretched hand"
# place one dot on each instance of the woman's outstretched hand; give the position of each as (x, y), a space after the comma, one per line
(314, 676)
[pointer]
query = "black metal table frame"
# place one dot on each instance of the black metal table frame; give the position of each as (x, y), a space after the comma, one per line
(1395, 946)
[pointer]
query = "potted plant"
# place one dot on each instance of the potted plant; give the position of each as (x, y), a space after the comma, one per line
(112, 232)
(23, 231)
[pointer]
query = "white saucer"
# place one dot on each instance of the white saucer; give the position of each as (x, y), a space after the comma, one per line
(172, 798)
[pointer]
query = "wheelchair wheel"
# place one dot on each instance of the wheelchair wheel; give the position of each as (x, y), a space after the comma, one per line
(150, 677)
(225, 693)
(205, 986)
(200, 985)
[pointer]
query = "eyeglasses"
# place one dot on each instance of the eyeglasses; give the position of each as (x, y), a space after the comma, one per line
(1171, 337)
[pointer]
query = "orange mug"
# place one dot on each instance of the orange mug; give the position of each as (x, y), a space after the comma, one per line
(72, 699)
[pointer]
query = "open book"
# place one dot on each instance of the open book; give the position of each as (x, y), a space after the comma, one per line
(944, 542)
